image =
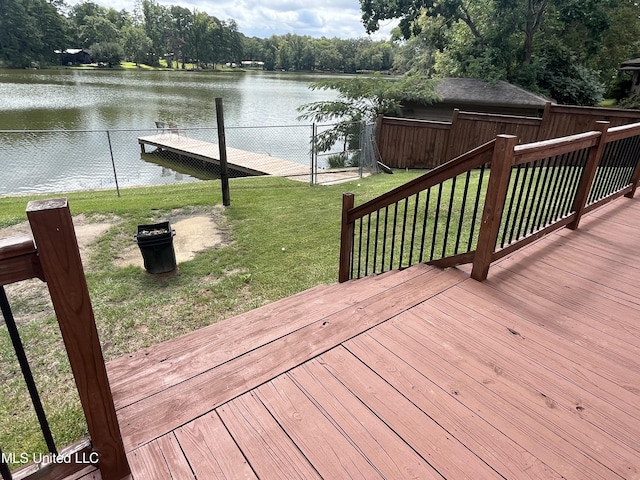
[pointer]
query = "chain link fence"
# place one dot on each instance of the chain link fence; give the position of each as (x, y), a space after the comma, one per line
(53, 161)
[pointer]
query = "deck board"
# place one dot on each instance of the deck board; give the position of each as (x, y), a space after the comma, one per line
(267, 447)
(420, 373)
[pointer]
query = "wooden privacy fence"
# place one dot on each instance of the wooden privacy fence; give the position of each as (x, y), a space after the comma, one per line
(56, 260)
(407, 143)
(489, 202)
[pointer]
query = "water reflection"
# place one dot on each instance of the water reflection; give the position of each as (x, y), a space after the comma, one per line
(134, 101)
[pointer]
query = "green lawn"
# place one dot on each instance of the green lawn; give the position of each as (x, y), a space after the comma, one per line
(134, 309)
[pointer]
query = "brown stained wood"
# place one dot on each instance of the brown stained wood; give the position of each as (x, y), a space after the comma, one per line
(164, 411)
(436, 361)
(573, 411)
(150, 370)
(580, 327)
(326, 447)
(493, 206)
(211, 451)
(437, 446)
(266, 446)
(162, 458)
(78, 466)
(386, 451)
(622, 131)
(248, 162)
(148, 463)
(581, 364)
(55, 239)
(346, 239)
(549, 148)
(588, 175)
(492, 445)
(18, 260)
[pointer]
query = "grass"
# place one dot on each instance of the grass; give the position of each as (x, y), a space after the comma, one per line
(134, 309)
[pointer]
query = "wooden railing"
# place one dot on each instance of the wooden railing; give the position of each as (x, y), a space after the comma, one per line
(533, 189)
(56, 260)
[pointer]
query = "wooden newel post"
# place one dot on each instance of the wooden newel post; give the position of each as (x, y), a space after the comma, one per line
(588, 174)
(501, 163)
(59, 257)
(635, 178)
(346, 238)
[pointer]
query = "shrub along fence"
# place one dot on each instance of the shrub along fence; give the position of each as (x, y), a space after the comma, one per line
(406, 143)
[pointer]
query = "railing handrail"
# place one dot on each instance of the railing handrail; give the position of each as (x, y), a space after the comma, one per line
(472, 159)
(504, 154)
(54, 257)
(530, 152)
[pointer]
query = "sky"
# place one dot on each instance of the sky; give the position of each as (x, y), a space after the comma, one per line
(263, 18)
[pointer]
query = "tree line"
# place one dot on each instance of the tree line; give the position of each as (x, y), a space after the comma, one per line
(32, 30)
(570, 50)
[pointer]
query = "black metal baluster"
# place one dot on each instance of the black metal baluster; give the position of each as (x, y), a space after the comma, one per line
(526, 208)
(507, 218)
(435, 222)
(4, 468)
(463, 207)
(366, 258)
(404, 231)
(534, 206)
(375, 244)
(26, 371)
(560, 191)
(360, 248)
(424, 224)
(393, 236)
(413, 229)
(476, 206)
(384, 238)
(445, 241)
(353, 249)
(518, 213)
(542, 198)
(604, 173)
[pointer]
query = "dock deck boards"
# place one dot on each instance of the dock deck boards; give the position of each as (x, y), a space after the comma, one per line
(250, 163)
(421, 373)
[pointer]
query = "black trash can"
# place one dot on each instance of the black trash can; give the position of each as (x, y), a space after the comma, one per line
(156, 245)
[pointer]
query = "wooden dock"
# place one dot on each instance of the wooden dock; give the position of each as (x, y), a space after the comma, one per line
(420, 373)
(249, 163)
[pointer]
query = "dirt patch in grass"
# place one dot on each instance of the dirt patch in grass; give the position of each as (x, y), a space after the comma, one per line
(195, 232)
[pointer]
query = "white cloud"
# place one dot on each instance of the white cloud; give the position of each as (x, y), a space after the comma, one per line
(263, 18)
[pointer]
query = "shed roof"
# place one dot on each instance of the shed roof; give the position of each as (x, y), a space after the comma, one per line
(633, 64)
(473, 90)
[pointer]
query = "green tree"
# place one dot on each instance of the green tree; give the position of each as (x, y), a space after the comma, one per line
(362, 99)
(110, 53)
(515, 40)
(135, 43)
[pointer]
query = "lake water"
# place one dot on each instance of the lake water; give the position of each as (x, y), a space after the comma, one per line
(71, 110)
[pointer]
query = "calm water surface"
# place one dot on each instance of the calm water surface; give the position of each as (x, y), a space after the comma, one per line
(259, 109)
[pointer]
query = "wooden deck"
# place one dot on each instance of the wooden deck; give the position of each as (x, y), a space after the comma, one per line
(250, 163)
(420, 373)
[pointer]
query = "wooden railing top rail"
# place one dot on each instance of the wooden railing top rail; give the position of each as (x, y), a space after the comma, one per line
(473, 159)
(18, 260)
(556, 146)
(622, 131)
(416, 122)
(497, 118)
